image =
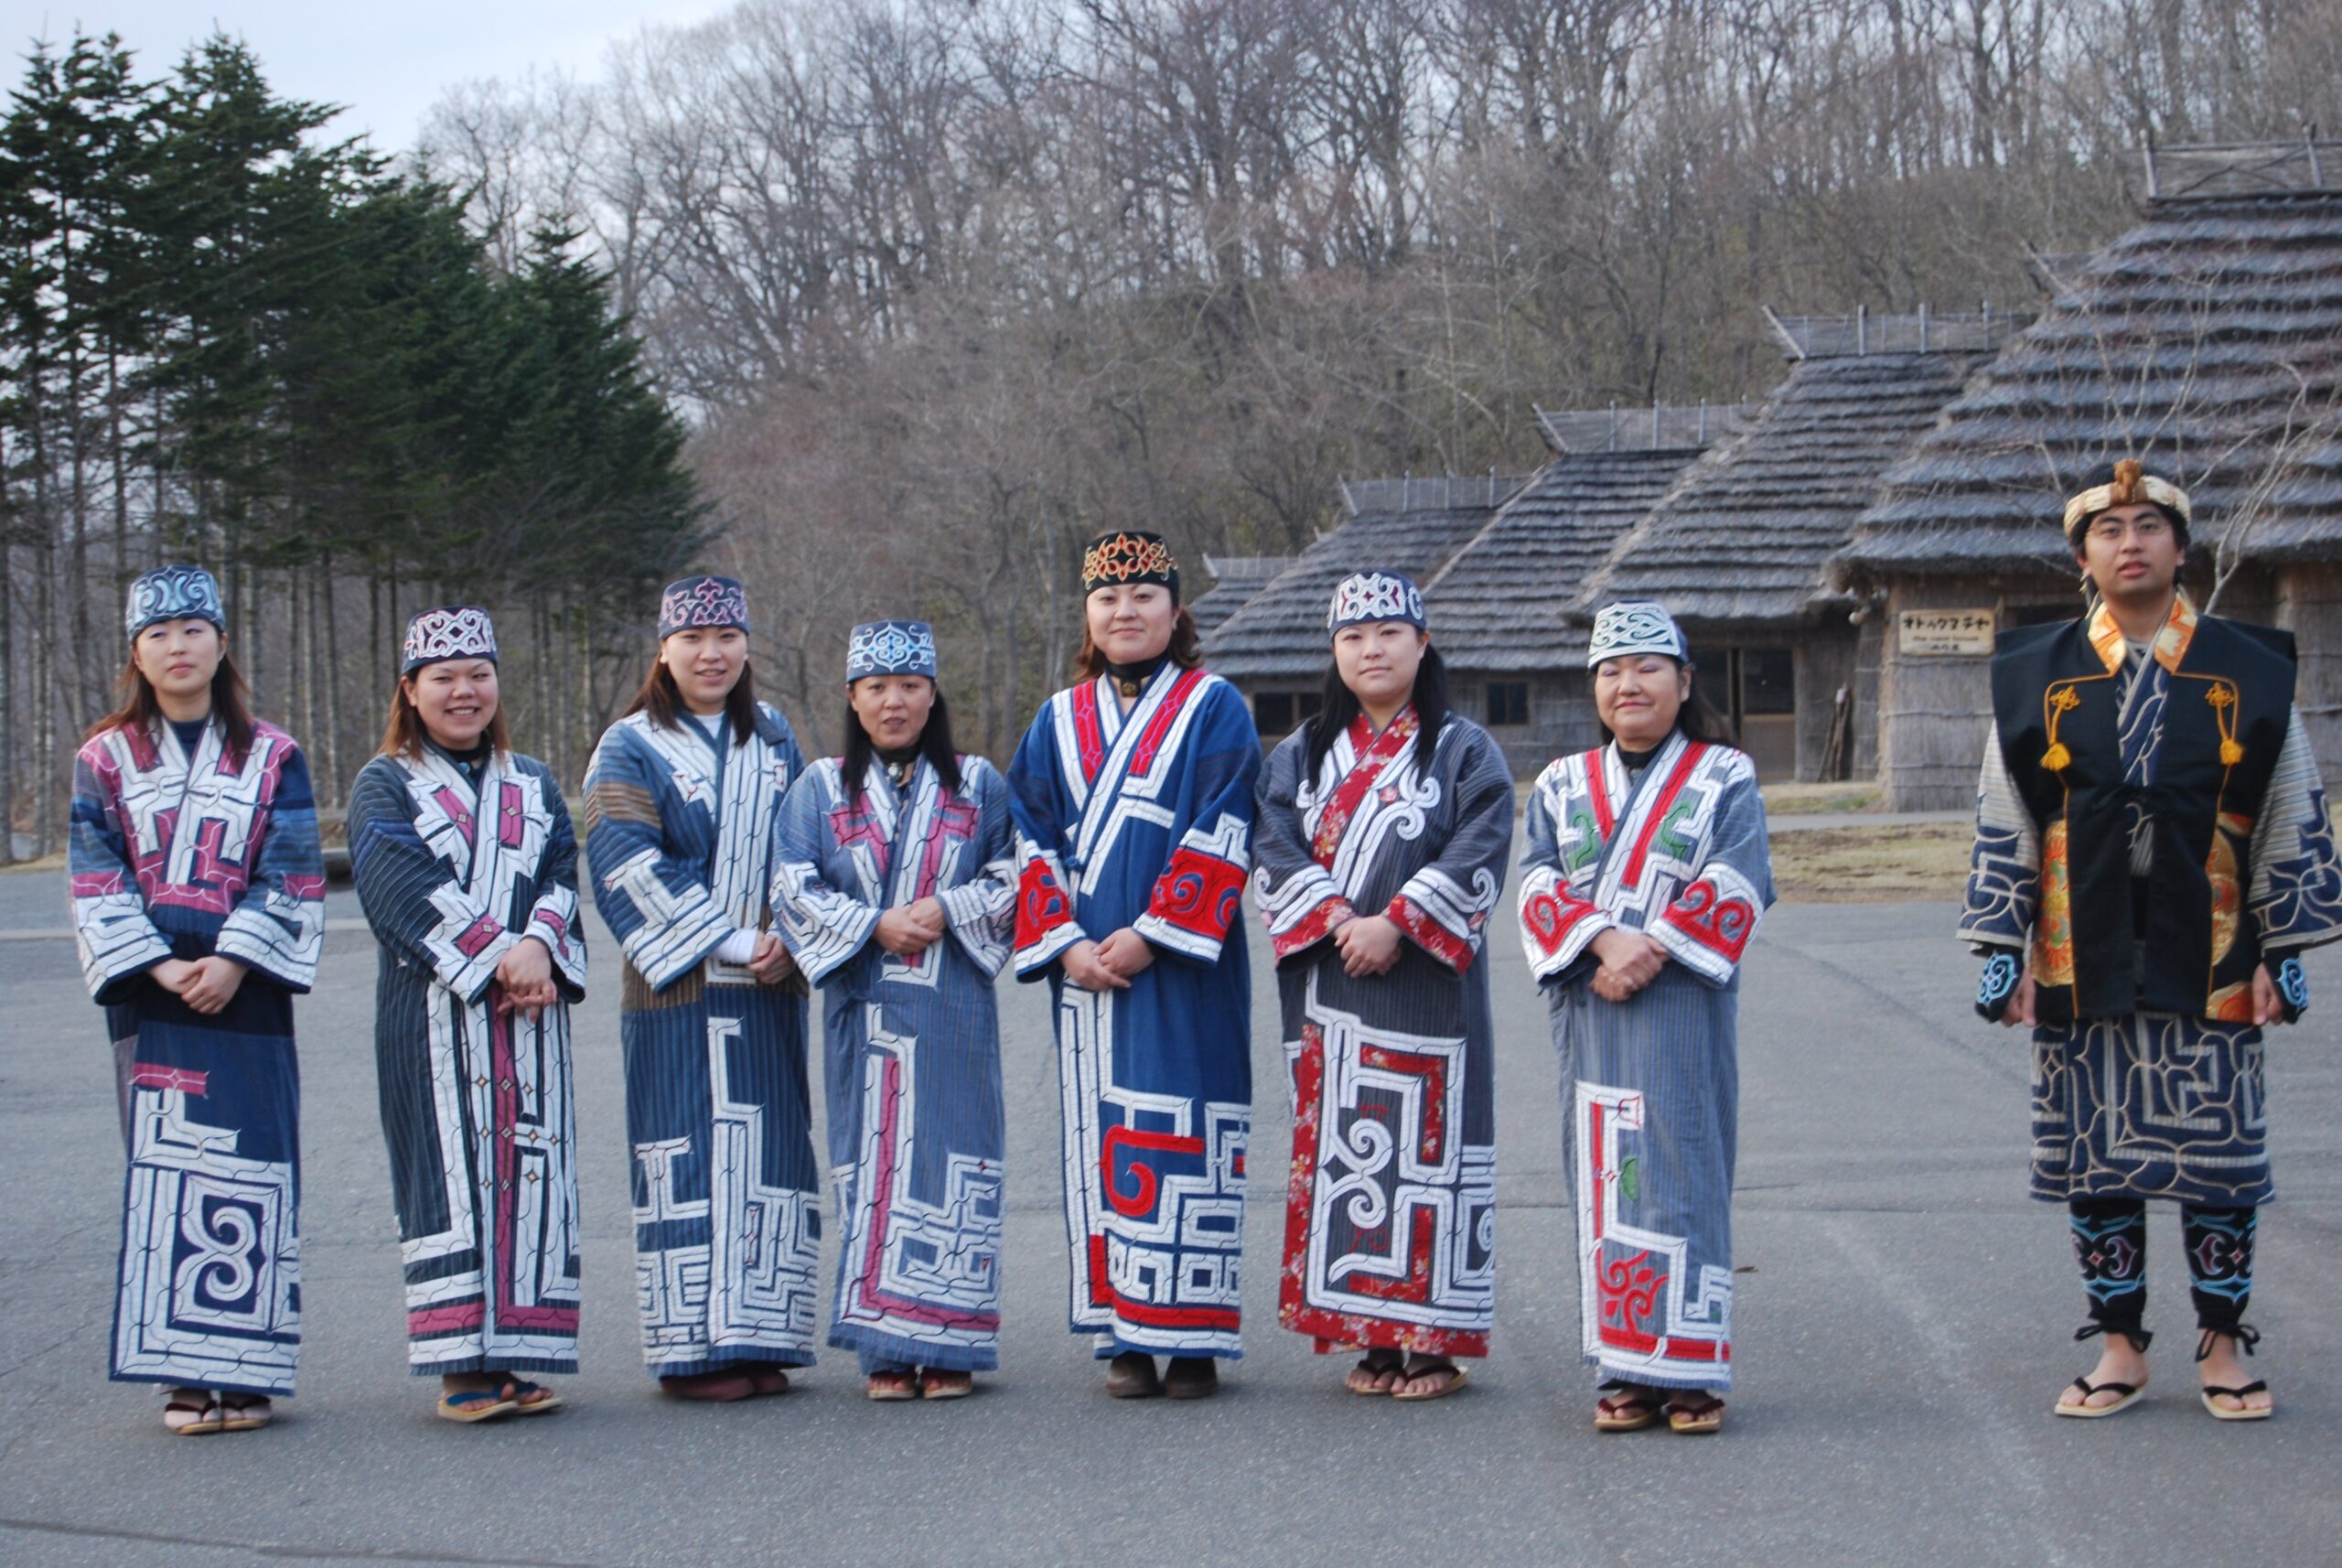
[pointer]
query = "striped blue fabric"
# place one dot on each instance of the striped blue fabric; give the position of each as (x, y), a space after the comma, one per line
(681, 827)
(917, 1133)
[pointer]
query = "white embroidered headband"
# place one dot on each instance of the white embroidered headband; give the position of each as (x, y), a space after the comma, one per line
(1364, 597)
(1635, 626)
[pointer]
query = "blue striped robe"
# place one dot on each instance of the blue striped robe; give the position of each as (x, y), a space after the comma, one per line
(1145, 819)
(912, 1063)
(453, 871)
(680, 832)
(1651, 1086)
(179, 856)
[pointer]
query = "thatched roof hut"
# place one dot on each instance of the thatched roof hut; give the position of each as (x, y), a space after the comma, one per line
(1497, 607)
(1745, 533)
(1234, 580)
(1406, 525)
(1737, 547)
(2206, 340)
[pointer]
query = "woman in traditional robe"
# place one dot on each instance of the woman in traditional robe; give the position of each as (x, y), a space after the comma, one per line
(467, 869)
(1383, 829)
(682, 811)
(893, 888)
(198, 894)
(1647, 872)
(1133, 798)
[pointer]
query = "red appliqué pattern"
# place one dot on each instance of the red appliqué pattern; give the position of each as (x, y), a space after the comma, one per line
(1719, 924)
(1041, 905)
(1372, 752)
(1550, 918)
(1199, 893)
(1429, 934)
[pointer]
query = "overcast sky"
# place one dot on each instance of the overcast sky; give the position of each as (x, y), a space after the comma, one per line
(385, 60)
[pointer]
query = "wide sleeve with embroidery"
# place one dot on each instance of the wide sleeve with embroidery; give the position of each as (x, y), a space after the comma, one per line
(118, 943)
(277, 927)
(981, 910)
(656, 903)
(1045, 924)
(552, 918)
(1444, 907)
(415, 901)
(2296, 893)
(2004, 867)
(1201, 891)
(823, 925)
(1714, 917)
(1300, 902)
(1557, 926)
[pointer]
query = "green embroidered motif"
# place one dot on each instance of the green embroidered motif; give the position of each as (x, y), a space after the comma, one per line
(1629, 1181)
(1675, 844)
(1589, 837)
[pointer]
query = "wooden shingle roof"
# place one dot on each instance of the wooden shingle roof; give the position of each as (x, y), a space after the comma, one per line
(2206, 341)
(1744, 534)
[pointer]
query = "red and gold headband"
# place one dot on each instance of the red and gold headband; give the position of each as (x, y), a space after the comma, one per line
(1113, 559)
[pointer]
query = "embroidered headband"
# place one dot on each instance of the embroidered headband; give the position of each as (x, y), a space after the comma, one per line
(2132, 486)
(1364, 597)
(1112, 559)
(891, 648)
(1635, 626)
(457, 632)
(173, 593)
(703, 601)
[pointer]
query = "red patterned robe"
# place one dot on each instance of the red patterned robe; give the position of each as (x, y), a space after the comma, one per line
(1390, 1225)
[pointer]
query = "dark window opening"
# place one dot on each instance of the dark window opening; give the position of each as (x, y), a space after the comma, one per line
(1508, 702)
(1278, 713)
(1767, 681)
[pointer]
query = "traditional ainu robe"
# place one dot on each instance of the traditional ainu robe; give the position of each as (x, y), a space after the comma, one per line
(455, 864)
(1145, 819)
(1390, 1222)
(912, 1063)
(2184, 841)
(179, 856)
(681, 830)
(1651, 1086)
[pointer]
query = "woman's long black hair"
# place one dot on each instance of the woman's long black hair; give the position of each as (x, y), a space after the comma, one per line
(1698, 718)
(934, 743)
(1340, 706)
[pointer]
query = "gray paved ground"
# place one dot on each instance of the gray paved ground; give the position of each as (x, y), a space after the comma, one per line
(1901, 1333)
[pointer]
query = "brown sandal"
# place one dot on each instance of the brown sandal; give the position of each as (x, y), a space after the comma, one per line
(202, 1409)
(1697, 1416)
(942, 1383)
(893, 1388)
(1627, 1407)
(1456, 1378)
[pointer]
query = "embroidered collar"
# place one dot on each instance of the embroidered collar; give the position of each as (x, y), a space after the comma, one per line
(2170, 644)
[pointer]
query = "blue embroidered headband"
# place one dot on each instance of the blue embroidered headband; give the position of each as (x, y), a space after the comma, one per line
(703, 601)
(1364, 597)
(455, 632)
(1635, 626)
(173, 593)
(891, 648)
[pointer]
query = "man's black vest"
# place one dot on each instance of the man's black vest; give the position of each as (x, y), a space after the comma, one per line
(2224, 723)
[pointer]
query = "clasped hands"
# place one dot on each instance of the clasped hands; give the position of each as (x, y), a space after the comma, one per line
(205, 984)
(1630, 960)
(1108, 965)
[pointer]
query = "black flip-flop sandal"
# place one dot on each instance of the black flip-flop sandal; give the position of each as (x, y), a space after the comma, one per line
(2132, 1395)
(2248, 1414)
(1393, 1367)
